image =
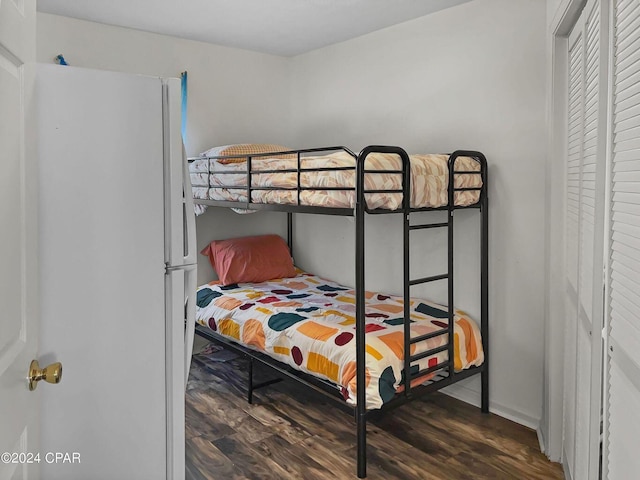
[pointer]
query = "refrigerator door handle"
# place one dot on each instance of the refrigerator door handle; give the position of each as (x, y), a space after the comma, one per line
(189, 214)
(190, 316)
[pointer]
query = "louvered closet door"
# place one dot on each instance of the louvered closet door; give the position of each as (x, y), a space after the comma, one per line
(572, 217)
(623, 376)
(585, 176)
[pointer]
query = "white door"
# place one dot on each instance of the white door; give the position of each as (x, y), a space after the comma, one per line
(622, 422)
(18, 247)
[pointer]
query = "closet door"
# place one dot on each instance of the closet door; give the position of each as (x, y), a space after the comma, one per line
(572, 223)
(585, 174)
(623, 362)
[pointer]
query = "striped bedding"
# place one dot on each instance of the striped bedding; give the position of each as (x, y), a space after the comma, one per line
(429, 181)
(309, 323)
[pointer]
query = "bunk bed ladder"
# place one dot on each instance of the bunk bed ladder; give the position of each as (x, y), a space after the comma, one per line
(444, 366)
(448, 364)
(409, 282)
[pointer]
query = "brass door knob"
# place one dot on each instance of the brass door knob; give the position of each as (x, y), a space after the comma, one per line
(51, 373)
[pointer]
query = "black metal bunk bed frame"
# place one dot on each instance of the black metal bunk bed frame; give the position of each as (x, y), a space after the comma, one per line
(444, 372)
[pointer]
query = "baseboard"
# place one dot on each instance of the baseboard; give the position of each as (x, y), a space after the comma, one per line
(541, 440)
(469, 395)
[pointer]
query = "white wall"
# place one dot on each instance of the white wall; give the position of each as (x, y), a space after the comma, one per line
(472, 76)
(234, 96)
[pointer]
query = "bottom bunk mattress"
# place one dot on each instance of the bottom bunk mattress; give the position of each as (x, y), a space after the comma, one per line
(308, 323)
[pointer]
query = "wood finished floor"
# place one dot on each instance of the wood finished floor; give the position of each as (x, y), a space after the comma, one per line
(292, 433)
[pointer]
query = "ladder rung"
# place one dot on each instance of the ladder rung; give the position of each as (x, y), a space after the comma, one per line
(467, 189)
(430, 369)
(427, 336)
(383, 171)
(428, 225)
(428, 279)
(428, 353)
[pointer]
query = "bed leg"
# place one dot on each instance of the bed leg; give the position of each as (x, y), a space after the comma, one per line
(250, 383)
(484, 401)
(361, 421)
(484, 290)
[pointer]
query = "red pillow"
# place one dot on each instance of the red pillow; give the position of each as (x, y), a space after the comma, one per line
(250, 259)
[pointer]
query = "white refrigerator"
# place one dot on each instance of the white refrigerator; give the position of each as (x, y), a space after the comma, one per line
(117, 254)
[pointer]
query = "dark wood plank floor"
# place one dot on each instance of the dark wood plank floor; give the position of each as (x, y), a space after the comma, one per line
(292, 433)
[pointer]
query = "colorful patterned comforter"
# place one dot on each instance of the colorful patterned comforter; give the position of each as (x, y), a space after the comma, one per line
(309, 323)
(429, 181)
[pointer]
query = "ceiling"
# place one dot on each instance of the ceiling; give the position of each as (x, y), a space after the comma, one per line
(279, 27)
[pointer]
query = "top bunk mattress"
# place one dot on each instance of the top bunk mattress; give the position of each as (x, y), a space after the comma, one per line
(211, 179)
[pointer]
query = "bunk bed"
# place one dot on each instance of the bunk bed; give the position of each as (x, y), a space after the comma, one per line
(378, 180)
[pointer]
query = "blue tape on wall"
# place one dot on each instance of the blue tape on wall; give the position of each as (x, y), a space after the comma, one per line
(184, 104)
